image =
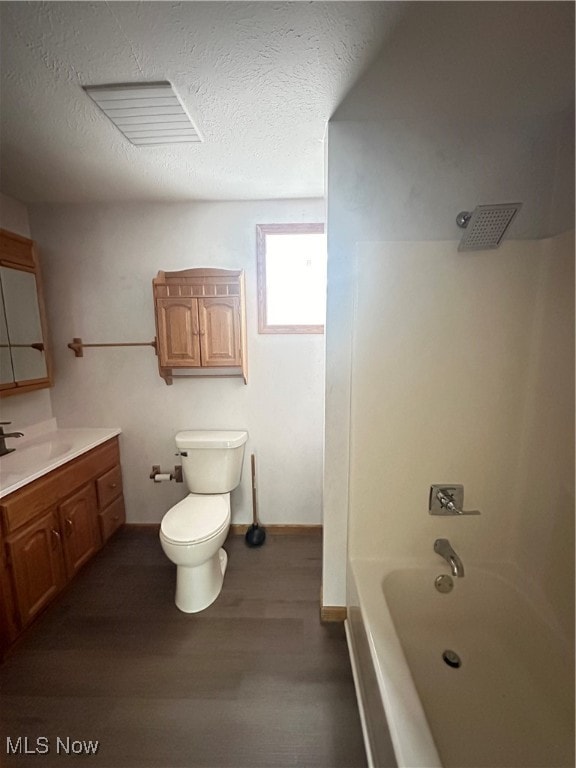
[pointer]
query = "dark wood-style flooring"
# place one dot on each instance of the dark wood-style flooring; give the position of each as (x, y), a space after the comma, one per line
(254, 680)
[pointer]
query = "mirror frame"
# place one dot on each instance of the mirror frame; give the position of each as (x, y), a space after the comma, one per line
(18, 252)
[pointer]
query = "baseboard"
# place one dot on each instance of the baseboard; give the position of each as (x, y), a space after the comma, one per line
(332, 613)
(239, 529)
(151, 527)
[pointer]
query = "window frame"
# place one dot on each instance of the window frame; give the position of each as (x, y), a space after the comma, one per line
(262, 230)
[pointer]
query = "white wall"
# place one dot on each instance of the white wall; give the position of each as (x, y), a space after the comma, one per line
(99, 265)
(407, 179)
(32, 407)
(14, 216)
(456, 379)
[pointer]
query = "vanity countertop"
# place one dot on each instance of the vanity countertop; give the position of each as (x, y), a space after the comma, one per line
(45, 448)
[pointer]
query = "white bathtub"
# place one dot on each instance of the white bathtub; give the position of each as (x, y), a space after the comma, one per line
(509, 705)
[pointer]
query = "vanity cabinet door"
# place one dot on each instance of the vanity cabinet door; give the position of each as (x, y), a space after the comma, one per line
(220, 340)
(37, 566)
(78, 523)
(9, 622)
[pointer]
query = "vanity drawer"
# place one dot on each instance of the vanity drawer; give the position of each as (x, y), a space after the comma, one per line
(111, 518)
(109, 486)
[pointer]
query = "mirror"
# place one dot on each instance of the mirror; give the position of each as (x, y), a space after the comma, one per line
(22, 318)
(6, 370)
(24, 360)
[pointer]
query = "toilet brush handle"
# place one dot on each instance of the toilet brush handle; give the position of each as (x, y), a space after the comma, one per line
(254, 512)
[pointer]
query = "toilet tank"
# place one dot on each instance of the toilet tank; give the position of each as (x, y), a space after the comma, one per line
(211, 460)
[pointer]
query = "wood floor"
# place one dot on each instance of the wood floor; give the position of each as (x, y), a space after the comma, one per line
(254, 680)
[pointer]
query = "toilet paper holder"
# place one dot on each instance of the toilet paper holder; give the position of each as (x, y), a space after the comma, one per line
(157, 475)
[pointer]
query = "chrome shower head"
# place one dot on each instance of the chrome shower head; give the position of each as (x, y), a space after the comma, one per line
(486, 225)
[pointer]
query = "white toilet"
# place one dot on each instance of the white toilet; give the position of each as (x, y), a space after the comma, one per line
(192, 532)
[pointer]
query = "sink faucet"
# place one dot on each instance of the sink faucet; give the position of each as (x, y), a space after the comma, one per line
(4, 435)
(444, 549)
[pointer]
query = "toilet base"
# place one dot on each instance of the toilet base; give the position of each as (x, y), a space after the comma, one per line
(199, 586)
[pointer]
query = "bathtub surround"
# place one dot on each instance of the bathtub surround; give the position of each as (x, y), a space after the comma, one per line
(463, 371)
(428, 174)
(99, 264)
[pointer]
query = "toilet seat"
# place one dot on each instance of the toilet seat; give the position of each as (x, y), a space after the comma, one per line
(197, 518)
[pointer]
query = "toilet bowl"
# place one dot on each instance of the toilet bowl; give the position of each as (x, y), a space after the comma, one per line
(193, 530)
(191, 534)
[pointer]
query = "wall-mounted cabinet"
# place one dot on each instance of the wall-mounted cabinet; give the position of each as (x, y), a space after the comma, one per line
(24, 356)
(200, 323)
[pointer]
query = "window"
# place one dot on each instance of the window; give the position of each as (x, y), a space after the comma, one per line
(291, 278)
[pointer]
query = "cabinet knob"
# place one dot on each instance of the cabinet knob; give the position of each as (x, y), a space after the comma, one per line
(69, 526)
(113, 485)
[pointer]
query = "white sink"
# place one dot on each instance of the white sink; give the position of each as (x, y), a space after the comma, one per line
(28, 457)
(37, 454)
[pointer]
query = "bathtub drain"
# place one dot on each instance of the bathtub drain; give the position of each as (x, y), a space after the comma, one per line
(452, 659)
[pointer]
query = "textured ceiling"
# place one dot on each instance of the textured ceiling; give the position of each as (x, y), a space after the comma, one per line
(260, 80)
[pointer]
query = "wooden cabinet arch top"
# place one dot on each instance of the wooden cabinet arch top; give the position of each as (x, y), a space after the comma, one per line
(197, 283)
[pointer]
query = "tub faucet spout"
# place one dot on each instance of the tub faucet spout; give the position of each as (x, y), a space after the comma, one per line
(444, 549)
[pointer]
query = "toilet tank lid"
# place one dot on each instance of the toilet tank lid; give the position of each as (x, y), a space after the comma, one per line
(207, 439)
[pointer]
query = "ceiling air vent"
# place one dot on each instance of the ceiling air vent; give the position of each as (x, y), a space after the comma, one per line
(147, 113)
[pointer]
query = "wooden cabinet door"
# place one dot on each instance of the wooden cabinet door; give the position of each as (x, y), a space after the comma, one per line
(9, 625)
(37, 567)
(220, 338)
(79, 526)
(178, 332)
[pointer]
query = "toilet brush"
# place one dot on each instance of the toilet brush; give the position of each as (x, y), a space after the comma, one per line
(255, 535)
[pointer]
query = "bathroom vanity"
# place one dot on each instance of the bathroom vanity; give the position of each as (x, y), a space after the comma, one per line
(61, 500)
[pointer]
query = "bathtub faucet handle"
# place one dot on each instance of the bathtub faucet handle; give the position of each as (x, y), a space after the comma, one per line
(448, 500)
